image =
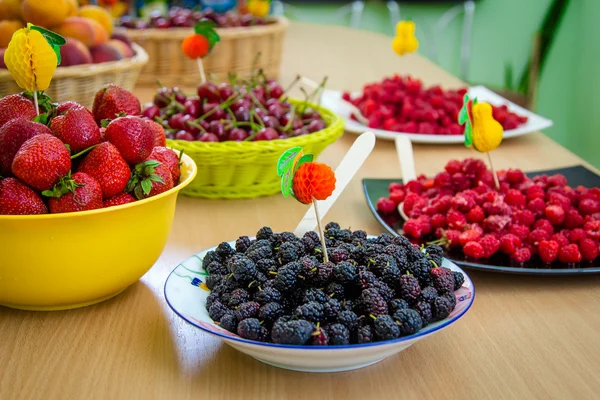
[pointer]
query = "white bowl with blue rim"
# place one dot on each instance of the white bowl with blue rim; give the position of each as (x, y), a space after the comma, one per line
(186, 294)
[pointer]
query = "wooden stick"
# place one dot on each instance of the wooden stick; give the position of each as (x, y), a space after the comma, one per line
(35, 102)
(201, 69)
(321, 232)
(496, 182)
(406, 158)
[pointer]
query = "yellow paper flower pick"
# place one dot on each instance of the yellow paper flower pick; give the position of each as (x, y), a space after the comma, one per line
(259, 8)
(32, 57)
(405, 40)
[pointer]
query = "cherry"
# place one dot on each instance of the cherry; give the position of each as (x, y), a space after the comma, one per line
(225, 91)
(208, 137)
(266, 134)
(217, 128)
(217, 114)
(179, 96)
(271, 122)
(242, 115)
(275, 91)
(208, 91)
(316, 125)
(240, 103)
(176, 121)
(275, 110)
(300, 132)
(238, 135)
(194, 130)
(193, 107)
(162, 98)
(184, 135)
(151, 112)
(162, 23)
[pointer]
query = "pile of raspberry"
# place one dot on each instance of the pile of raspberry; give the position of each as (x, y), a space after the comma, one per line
(278, 288)
(541, 219)
(402, 104)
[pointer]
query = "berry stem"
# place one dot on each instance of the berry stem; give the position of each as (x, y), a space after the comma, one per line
(321, 233)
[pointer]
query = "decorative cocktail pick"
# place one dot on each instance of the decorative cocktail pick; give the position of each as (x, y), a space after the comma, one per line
(405, 40)
(259, 8)
(200, 43)
(32, 57)
(482, 132)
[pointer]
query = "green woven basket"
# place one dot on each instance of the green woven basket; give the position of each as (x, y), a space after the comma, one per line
(243, 170)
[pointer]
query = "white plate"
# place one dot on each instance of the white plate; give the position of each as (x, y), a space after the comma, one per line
(332, 99)
(186, 295)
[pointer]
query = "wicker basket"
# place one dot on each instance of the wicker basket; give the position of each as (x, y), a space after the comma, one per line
(236, 52)
(239, 170)
(80, 83)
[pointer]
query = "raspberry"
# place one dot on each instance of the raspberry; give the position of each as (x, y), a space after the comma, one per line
(397, 196)
(438, 221)
(588, 249)
(410, 200)
(442, 180)
(537, 235)
(490, 245)
(545, 225)
(386, 205)
(462, 203)
(394, 186)
(576, 235)
(522, 255)
(476, 215)
(560, 239)
(456, 220)
(523, 217)
(509, 243)
(569, 254)
(515, 198)
(558, 200)
(573, 219)
(453, 166)
(473, 250)
(443, 204)
(557, 180)
(548, 250)
(555, 214)
(413, 229)
(514, 176)
(535, 192)
(537, 205)
(592, 229)
(467, 236)
(414, 187)
(589, 206)
(496, 223)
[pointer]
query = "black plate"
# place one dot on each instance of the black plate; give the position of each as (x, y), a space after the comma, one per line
(576, 176)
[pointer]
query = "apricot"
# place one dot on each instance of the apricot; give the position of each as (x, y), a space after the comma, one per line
(47, 13)
(10, 9)
(78, 28)
(99, 15)
(7, 28)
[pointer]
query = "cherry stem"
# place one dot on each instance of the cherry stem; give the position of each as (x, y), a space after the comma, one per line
(321, 233)
(196, 125)
(223, 106)
(289, 123)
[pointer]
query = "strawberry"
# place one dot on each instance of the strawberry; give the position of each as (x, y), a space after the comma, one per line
(120, 199)
(16, 198)
(169, 158)
(16, 106)
(70, 105)
(12, 136)
(132, 136)
(160, 138)
(79, 192)
(42, 161)
(77, 128)
(108, 167)
(112, 101)
(149, 179)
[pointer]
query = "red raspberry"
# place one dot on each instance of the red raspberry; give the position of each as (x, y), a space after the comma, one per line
(515, 198)
(413, 229)
(535, 192)
(545, 225)
(509, 243)
(460, 182)
(523, 217)
(592, 229)
(470, 235)
(559, 200)
(473, 250)
(555, 214)
(522, 255)
(395, 186)
(476, 215)
(589, 206)
(548, 250)
(442, 179)
(425, 222)
(463, 203)
(410, 200)
(573, 219)
(569, 254)
(577, 235)
(588, 249)
(520, 231)
(414, 187)
(386, 205)
(443, 204)
(496, 223)
(438, 221)
(430, 210)
(452, 236)
(557, 180)
(514, 176)
(490, 245)
(537, 235)
(560, 239)
(487, 197)
(456, 220)
(537, 205)
(397, 196)
(453, 166)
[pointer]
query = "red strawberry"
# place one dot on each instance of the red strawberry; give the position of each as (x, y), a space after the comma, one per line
(113, 100)
(12, 136)
(120, 199)
(133, 138)
(79, 192)
(16, 198)
(149, 179)
(108, 167)
(42, 161)
(16, 106)
(69, 105)
(160, 139)
(77, 128)
(169, 158)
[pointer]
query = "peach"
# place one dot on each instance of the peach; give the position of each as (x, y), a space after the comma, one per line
(10, 9)
(123, 38)
(105, 52)
(46, 13)
(99, 15)
(123, 48)
(74, 53)
(100, 34)
(78, 28)
(7, 28)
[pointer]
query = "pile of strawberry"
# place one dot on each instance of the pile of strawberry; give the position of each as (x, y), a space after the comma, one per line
(541, 217)
(70, 159)
(402, 104)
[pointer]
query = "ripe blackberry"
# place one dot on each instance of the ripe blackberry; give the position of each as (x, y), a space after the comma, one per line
(399, 254)
(413, 254)
(242, 268)
(349, 319)
(258, 281)
(212, 297)
(268, 295)
(284, 318)
(287, 253)
(402, 241)
(344, 273)
(338, 255)
(338, 334)
(428, 294)
(348, 305)
(313, 294)
(311, 311)
(229, 321)
(286, 280)
(424, 310)
(359, 253)
(435, 253)
(450, 295)
(360, 235)
(364, 334)
(385, 239)
(238, 296)
(442, 278)
(382, 261)
(309, 267)
(459, 279)
(242, 244)
(332, 225)
(386, 328)
(258, 244)
(343, 235)
(420, 268)
(331, 309)
(314, 236)
(269, 313)
(371, 302)
(409, 288)
(309, 244)
(373, 249)
(335, 290)
(366, 279)
(247, 310)
(390, 275)
(216, 268)
(441, 307)
(384, 290)
(210, 257)
(267, 266)
(292, 332)
(249, 329)
(409, 321)
(264, 233)
(225, 250)
(226, 285)
(319, 337)
(213, 280)
(285, 237)
(397, 304)
(323, 273)
(217, 310)
(260, 253)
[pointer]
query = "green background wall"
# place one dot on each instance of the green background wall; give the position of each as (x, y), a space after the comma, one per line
(568, 91)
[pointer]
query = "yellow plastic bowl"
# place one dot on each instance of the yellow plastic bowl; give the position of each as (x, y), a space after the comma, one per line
(62, 261)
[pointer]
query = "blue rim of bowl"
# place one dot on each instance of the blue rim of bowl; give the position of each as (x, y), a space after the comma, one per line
(442, 325)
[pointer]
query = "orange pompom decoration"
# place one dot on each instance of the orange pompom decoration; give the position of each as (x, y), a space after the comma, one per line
(195, 46)
(313, 180)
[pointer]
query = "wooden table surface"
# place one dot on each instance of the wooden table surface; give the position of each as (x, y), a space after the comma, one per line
(525, 337)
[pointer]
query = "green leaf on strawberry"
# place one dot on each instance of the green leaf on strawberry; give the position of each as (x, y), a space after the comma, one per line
(140, 183)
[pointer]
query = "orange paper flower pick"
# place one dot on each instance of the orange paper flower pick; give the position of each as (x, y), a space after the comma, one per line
(200, 43)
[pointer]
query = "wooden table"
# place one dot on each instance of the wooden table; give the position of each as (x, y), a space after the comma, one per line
(525, 337)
